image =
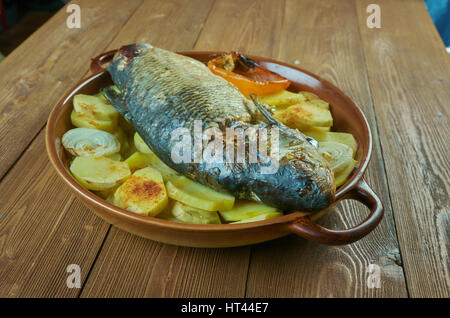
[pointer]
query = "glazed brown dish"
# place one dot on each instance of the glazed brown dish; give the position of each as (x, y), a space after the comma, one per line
(347, 118)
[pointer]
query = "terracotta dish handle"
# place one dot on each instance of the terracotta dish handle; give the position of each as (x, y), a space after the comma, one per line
(97, 62)
(306, 228)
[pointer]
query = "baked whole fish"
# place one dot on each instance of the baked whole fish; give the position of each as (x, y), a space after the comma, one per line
(161, 91)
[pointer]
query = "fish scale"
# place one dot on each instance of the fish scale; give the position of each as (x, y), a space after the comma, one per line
(180, 85)
(161, 91)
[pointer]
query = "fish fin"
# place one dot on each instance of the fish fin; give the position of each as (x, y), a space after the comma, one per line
(312, 141)
(263, 111)
(115, 98)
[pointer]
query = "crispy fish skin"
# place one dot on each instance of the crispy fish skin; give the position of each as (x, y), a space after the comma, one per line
(161, 91)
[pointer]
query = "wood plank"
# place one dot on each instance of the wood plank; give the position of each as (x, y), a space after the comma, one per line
(43, 229)
(157, 270)
(314, 34)
(247, 26)
(130, 266)
(408, 71)
(38, 72)
(172, 25)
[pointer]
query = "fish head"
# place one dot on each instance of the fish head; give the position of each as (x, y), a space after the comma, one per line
(122, 59)
(303, 184)
(127, 53)
(300, 179)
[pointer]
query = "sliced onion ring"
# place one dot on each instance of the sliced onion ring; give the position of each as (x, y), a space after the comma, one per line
(338, 155)
(87, 142)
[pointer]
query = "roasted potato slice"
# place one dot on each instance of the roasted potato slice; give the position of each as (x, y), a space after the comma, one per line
(180, 212)
(320, 103)
(140, 144)
(314, 99)
(308, 95)
(85, 121)
(245, 210)
(94, 107)
(167, 172)
(102, 96)
(304, 115)
(126, 126)
(107, 194)
(123, 140)
(99, 173)
(131, 147)
(166, 213)
(199, 196)
(143, 193)
(115, 157)
(140, 160)
(283, 99)
(341, 178)
(318, 133)
(260, 217)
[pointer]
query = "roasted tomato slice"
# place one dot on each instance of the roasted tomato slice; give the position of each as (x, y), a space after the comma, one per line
(247, 75)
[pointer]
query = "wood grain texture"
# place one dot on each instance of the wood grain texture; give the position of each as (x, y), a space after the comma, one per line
(247, 26)
(43, 229)
(46, 64)
(130, 266)
(314, 35)
(173, 25)
(408, 71)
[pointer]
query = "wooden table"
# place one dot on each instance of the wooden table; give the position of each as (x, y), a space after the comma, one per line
(398, 74)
